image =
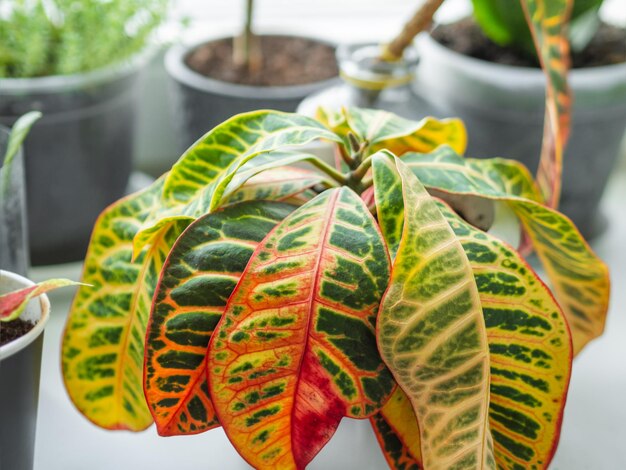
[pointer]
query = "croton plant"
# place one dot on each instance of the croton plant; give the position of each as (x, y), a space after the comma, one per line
(272, 300)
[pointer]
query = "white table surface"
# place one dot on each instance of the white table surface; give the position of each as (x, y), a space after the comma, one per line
(593, 437)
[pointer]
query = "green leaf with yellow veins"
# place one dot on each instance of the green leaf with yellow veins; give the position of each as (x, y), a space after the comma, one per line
(278, 184)
(530, 360)
(384, 130)
(103, 343)
(548, 21)
(196, 183)
(579, 279)
(295, 350)
(197, 279)
(431, 332)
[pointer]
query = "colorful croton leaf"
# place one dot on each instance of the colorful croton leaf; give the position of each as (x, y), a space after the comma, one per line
(384, 130)
(278, 184)
(295, 351)
(431, 331)
(580, 280)
(12, 304)
(103, 343)
(548, 22)
(197, 183)
(530, 355)
(197, 279)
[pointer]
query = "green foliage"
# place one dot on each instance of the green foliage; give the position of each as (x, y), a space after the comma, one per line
(504, 23)
(58, 37)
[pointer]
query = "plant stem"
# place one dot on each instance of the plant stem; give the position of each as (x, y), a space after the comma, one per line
(245, 48)
(420, 21)
(329, 170)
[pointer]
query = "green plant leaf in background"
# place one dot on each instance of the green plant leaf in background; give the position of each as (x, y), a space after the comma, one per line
(103, 344)
(41, 38)
(503, 21)
(431, 331)
(197, 279)
(296, 350)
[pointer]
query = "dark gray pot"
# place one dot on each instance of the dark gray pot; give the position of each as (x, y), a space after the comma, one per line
(78, 156)
(200, 103)
(20, 366)
(503, 109)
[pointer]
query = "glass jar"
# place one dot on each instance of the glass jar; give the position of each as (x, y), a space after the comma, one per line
(369, 82)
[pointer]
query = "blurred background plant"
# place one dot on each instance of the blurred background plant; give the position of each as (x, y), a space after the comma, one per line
(504, 23)
(59, 37)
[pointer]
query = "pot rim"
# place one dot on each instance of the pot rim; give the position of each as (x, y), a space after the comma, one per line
(577, 77)
(178, 69)
(22, 342)
(62, 83)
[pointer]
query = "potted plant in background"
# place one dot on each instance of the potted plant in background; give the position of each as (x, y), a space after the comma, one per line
(78, 63)
(216, 79)
(502, 104)
(22, 321)
(276, 301)
(484, 71)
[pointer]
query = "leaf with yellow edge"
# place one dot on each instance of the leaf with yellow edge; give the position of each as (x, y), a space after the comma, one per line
(197, 183)
(12, 304)
(295, 350)
(197, 279)
(384, 130)
(580, 280)
(548, 21)
(277, 184)
(431, 332)
(530, 356)
(103, 343)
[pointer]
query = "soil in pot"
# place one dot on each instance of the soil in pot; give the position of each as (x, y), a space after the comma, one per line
(607, 47)
(14, 329)
(286, 61)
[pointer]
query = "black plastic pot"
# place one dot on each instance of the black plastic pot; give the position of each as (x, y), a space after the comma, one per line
(503, 109)
(20, 366)
(78, 156)
(200, 103)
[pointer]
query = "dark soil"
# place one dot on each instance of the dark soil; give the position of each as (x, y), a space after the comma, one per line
(607, 47)
(285, 61)
(14, 329)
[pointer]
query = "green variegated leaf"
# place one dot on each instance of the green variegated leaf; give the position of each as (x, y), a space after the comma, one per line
(197, 182)
(493, 176)
(530, 359)
(295, 350)
(102, 352)
(530, 350)
(272, 161)
(197, 279)
(548, 21)
(276, 185)
(384, 130)
(431, 331)
(580, 280)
